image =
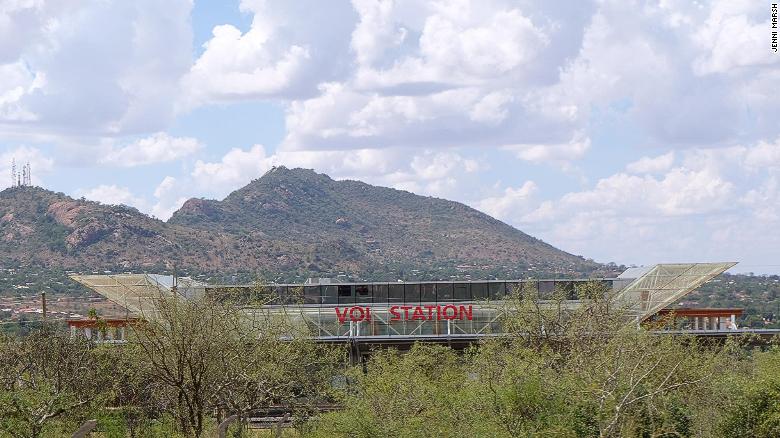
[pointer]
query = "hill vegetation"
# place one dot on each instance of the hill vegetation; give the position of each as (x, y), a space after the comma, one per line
(290, 223)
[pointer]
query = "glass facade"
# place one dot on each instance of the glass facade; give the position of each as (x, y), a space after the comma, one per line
(408, 308)
(419, 292)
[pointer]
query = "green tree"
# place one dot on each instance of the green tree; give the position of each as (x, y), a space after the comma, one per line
(752, 399)
(48, 377)
(425, 392)
(207, 354)
(565, 370)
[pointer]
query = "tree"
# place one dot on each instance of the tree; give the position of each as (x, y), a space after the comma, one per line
(617, 379)
(423, 392)
(753, 404)
(208, 354)
(47, 376)
(564, 370)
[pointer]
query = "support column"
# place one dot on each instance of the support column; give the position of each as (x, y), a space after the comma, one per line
(88, 333)
(733, 322)
(695, 322)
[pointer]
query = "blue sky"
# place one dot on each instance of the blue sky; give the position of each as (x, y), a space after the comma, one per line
(627, 131)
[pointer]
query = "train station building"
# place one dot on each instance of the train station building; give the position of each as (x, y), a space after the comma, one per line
(403, 312)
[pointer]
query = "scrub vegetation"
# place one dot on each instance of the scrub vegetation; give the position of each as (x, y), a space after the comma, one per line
(562, 373)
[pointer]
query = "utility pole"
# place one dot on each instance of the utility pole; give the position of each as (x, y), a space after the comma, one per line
(43, 305)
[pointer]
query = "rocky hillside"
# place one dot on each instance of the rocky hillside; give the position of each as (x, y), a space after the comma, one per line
(289, 221)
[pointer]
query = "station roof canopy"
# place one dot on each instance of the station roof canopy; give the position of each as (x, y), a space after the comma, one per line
(656, 287)
(138, 292)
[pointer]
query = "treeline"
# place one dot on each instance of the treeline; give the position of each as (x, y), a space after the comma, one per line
(563, 372)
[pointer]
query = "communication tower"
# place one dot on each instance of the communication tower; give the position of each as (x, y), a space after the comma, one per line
(23, 178)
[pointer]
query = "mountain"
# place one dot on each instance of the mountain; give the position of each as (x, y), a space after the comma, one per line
(289, 222)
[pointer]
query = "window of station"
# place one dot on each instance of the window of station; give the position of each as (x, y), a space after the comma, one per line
(411, 293)
(444, 292)
(546, 289)
(462, 292)
(346, 294)
(311, 294)
(497, 290)
(363, 293)
(396, 294)
(479, 291)
(380, 293)
(330, 294)
(428, 292)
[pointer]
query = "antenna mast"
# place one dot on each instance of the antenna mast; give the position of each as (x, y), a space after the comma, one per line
(13, 172)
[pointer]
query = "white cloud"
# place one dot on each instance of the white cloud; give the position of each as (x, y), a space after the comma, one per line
(512, 204)
(289, 48)
(678, 192)
(716, 204)
(461, 43)
(91, 69)
(764, 154)
(170, 195)
(235, 66)
(551, 153)
(733, 35)
(17, 81)
(159, 148)
(236, 168)
(657, 164)
(114, 195)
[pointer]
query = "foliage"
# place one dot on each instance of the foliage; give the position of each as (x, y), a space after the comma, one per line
(290, 221)
(753, 407)
(207, 355)
(565, 372)
(424, 392)
(47, 377)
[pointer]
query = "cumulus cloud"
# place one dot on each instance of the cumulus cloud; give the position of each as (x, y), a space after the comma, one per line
(652, 164)
(111, 194)
(706, 207)
(235, 169)
(158, 148)
(551, 153)
(732, 36)
(75, 68)
(512, 204)
(289, 48)
(170, 195)
(764, 154)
